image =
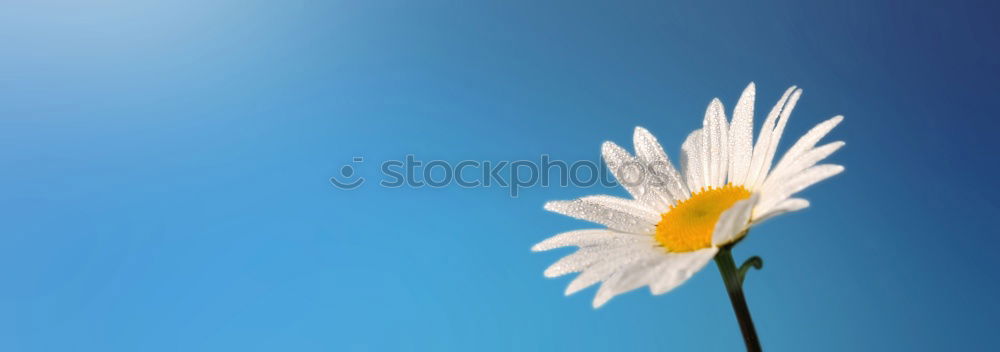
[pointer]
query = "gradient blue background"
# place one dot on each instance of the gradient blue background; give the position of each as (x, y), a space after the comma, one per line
(165, 165)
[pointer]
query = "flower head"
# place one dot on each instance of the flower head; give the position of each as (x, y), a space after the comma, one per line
(676, 220)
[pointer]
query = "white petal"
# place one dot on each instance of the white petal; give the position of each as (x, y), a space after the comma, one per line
(799, 182)
(632, 276)
(733, 221)
(692, 156)
(616, 213)
(806, 160)
(808, 140)
(717, 138)
(788, 205)
(611, 263)
(576, 262)
(678, 267)
(706, 159)
(588, 256)
(631, 174)
(585, 238)
(627, 205)
(758, 169)
(668, 182)
(779, 129)
(741, 136)
(594, 274)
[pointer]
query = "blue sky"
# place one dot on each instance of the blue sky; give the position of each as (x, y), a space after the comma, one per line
(166, 164)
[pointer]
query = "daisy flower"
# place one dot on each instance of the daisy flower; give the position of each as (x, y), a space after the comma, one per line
(677, 221)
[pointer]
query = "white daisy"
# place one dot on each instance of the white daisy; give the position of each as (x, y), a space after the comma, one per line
(677, 221)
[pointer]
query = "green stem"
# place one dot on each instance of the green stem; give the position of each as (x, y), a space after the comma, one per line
(752, 262)
(734, 285)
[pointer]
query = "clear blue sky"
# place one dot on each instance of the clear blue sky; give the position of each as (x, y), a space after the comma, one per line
(164, 167)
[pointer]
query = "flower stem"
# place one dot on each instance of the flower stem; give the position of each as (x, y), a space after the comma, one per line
(734, 285)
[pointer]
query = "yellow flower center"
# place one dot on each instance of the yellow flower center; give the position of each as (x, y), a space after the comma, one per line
(688, 225)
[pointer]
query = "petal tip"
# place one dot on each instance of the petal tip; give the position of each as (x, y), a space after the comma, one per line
(641, 132)
(555, 205)
(607, 145)
(553, 272)
(570, 290)
(600, 301)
